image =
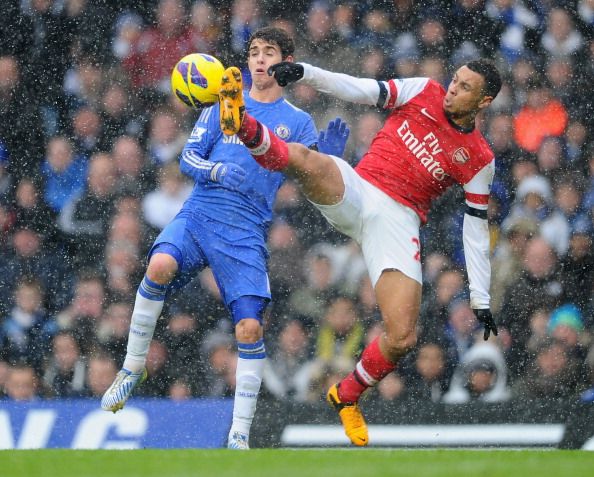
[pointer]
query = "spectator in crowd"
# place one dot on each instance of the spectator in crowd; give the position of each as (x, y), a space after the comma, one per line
(20, 123)
(85, 309)
(534, 201)
(85, 218)
(165, 142)
(22, 383)
(340, 334)
(506, 264)
(219, 369)
(287, 370)
(152, 55)
(577, 267)
(134, 175)
(65, 373)
(560, 38)
(112, 332)
(551, 373)
(481, 375)
(160, 206)
(101, 370)
(543, 115)
(30, 208)
(26, 331)
(539, 280)
(63, 173)
(430, 377)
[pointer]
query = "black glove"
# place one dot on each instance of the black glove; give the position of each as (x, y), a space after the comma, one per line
(486, 318)
(286, 72)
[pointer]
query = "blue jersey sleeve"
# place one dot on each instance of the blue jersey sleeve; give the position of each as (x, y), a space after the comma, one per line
(194, 161)
(309, 135)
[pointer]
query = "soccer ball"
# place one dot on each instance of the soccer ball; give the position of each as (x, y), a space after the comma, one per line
(196, 80)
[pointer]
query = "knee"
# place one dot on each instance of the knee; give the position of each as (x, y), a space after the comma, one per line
(248, 330)
(399, 342)
(162, 268)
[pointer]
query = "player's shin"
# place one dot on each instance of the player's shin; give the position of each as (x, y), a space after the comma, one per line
(267, 149)
(250, 368)
(371, 368)
(147, 309)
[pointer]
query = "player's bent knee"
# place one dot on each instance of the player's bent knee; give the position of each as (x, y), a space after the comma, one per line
(399, 344)
(248, 330)
(162, 268)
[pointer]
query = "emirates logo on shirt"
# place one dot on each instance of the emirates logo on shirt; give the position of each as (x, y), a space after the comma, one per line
(461, 156)
(425, 150)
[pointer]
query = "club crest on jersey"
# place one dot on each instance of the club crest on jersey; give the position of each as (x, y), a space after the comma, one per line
(461, 156)
(282, 131)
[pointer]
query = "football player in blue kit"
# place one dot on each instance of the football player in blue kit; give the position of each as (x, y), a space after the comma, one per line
(224, 225)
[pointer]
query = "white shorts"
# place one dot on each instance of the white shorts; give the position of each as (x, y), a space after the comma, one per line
(387, 231)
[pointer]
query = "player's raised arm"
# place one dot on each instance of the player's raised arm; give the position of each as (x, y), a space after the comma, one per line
(383, 94)
(477, 245)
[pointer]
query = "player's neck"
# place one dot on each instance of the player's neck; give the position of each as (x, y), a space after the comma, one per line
(465, 124)
(266, 95)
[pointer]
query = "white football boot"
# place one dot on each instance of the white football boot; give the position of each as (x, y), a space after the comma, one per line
(238, 441)
(120, 390)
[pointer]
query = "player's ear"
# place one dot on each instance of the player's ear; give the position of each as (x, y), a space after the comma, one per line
(485, 102)
(289, 58)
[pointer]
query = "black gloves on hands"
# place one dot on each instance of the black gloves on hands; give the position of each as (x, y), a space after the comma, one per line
(486, 319)
(286, 72)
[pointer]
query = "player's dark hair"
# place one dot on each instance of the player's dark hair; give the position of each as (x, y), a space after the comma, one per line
(488, 70)
(276, 36)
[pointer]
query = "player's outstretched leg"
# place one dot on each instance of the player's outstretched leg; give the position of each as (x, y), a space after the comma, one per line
(121, 389)
(351, 417)
(232, 107)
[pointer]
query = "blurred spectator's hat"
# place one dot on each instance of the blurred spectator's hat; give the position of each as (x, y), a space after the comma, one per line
(568, 315)
(535, 185)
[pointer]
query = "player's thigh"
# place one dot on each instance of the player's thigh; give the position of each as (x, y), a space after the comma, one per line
(346, 216)
(239, 270)
(316, 173)
(177, 241)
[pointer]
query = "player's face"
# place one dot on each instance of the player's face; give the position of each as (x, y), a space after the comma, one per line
(465, 97)
(261, 56)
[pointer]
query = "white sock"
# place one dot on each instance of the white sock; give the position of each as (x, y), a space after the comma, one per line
(147, 309)
(250, 368)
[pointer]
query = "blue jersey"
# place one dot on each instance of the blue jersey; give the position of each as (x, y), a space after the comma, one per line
(252, 202)
(226, 228)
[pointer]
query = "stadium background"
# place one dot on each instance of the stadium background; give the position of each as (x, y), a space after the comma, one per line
(89, 138)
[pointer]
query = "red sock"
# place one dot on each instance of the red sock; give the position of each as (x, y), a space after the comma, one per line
(268, 150)
(371, 368)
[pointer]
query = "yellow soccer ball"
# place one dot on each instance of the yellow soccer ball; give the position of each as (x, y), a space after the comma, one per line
(196, 80)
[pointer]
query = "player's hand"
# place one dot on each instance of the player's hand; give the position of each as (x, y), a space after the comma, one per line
(286, 72)
(333, 140)
(486, 319)
(228, 174)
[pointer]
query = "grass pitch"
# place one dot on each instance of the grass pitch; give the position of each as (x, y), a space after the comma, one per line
(295, 463)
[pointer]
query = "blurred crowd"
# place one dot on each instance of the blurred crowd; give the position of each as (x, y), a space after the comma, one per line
(89, 141)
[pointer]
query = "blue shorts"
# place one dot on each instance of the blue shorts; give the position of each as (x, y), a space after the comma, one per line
(237, 257)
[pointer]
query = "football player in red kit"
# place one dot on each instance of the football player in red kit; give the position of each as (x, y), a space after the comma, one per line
(428, 142)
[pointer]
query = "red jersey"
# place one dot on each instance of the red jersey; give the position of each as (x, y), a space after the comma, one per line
(418, 153)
